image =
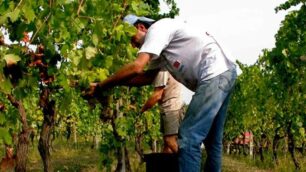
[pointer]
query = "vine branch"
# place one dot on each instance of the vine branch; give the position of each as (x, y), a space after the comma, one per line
(124, 5)
(80, 6)
(34, 35)
(18, 104)
(18, 4)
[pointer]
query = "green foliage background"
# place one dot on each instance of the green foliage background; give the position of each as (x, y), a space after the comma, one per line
(270, 96)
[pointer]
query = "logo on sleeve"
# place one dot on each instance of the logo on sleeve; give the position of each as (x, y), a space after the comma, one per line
(176, 64)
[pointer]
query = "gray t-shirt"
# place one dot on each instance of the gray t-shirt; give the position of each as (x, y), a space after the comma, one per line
(171, 98)
(189, 55)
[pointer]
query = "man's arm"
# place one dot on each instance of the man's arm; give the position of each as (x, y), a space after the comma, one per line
(145, 78)
(127, 72)
(155, 97)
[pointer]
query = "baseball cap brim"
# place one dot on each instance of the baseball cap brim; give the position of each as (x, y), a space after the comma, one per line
(132, 19)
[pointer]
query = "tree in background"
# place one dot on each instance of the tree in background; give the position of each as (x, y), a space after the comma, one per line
(269, 98)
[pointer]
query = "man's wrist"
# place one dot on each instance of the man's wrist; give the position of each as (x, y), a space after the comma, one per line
(103, 85)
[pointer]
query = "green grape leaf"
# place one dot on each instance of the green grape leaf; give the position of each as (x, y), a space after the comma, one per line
(63, 81)
(90, 52)
(64, 50)
(3, 19)
(302, 132)
(102, 74)
(20, 92)
(28, 13)
(95, 39)
(5, 136)
(11, 58)
(64, 33)
(2, 119)
(5, 86)
(130, 30)
(75, 57)
(108, 61)
(300, 124)
(14, 15)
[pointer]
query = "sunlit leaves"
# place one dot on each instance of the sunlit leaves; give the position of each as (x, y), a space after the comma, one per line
(90, 52)
(108, 61)
(5, 86)
(129, 30)
(11, 58)
(140, 8)
(122, 124)
(63, 81)
(102, 74)
(95, 39)
(14, 15)
(75, 57)
(79, 24)
(29, 13)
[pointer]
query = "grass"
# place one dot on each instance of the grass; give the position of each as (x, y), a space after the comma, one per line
(67, 158)
(285, 163)
(233, 165)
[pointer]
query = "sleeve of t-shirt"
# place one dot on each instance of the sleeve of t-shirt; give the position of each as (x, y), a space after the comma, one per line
(157, 38)
(161, 79)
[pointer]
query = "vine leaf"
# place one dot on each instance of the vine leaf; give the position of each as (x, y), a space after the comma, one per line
(28, 13)
(14, 15)
(11, 58)
(5, 136)
(90, 52)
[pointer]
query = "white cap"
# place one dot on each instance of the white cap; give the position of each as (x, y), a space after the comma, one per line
(132, 19)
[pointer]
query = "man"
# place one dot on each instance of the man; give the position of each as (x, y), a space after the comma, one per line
(196, 60)
(167, 92)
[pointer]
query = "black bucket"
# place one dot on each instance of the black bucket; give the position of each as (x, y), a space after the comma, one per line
(161, 162)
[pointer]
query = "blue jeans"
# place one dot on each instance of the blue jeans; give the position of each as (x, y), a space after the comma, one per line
(204, 122)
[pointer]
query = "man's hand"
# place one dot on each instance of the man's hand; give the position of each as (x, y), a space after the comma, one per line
(155, 97)
(88, 95)
(124, 76)
(94, 94)
(142, 110)
(90, 92)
